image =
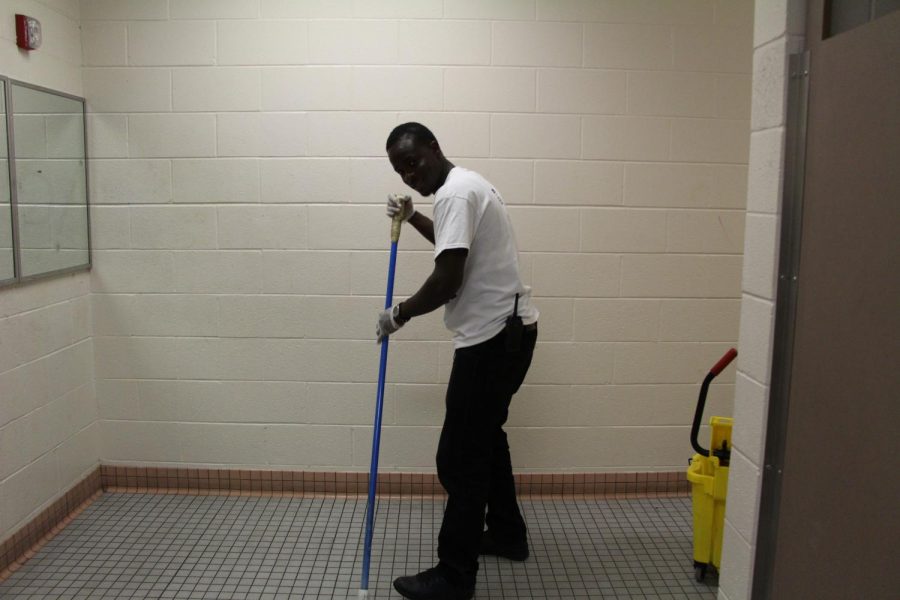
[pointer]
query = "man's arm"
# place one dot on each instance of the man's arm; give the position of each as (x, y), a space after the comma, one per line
(443, 283)
(424, 225)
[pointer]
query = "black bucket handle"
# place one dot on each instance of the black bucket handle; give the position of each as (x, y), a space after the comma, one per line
(701, 402)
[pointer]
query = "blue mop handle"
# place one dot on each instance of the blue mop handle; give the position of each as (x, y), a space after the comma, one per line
(379, 404)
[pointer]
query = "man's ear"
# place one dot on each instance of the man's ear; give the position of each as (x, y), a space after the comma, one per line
(435, 147)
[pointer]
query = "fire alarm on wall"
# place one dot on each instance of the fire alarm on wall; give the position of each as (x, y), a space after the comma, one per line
(28, 32)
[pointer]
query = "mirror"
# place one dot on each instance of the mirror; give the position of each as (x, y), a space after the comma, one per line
(7, 268)
(50, 180)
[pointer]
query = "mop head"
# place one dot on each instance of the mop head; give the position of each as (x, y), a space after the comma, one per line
(363, 594)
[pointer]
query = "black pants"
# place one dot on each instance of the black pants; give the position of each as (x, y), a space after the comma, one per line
(473, 459)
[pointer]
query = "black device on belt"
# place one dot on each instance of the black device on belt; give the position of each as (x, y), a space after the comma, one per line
(514, 329)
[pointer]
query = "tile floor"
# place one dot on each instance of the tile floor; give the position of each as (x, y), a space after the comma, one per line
(170, 546)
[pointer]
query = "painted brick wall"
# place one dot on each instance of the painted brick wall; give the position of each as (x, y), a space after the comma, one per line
(49, 433)
(779, 30)
(238, 177)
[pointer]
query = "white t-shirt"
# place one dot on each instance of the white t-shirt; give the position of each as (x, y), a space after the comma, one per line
(469, 213)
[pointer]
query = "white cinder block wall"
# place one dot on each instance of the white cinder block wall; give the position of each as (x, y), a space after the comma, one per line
(238, 178)
(49, 433)
(779, 31)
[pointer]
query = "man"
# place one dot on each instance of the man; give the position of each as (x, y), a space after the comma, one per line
(488, 309)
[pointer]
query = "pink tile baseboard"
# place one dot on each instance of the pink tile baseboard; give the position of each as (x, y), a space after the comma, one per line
(22, 545)
(315, 483)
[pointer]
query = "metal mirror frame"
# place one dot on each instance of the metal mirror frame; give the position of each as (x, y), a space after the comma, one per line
(7, 84)
(14, 230)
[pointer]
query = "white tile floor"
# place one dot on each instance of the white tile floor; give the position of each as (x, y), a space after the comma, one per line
(168, 546)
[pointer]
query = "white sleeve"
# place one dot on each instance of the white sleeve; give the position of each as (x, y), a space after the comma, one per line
(454, 223)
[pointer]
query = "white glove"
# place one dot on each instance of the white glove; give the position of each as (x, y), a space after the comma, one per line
(400, 205)
(389, 321)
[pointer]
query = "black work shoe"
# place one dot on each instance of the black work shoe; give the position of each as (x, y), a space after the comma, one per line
(431, 585)
(517, 552)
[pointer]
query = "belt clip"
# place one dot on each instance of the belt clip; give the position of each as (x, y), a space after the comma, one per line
(514, 329)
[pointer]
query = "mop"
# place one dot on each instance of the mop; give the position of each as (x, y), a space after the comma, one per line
(379, 402)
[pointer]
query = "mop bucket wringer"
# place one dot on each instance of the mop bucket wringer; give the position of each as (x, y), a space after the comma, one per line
(708, 475)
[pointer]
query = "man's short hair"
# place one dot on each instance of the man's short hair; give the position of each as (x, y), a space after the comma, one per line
(419, 132)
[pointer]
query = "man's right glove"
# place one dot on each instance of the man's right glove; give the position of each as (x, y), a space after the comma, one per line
(400, 205)
(389, 321)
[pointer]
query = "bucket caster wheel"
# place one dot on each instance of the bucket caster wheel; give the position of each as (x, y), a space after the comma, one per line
(699, 573)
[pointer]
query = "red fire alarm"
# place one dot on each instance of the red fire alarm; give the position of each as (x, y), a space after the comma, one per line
(28, 32)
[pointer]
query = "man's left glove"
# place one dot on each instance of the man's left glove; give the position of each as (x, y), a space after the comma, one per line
(389, 321)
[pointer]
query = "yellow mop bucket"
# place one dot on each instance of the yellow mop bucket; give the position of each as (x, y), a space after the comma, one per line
(708, 474)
